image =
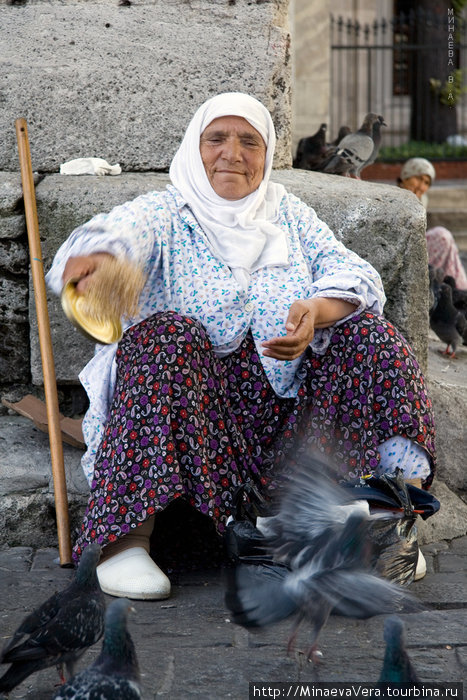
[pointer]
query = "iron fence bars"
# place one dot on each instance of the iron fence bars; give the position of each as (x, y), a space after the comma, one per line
(412, 69)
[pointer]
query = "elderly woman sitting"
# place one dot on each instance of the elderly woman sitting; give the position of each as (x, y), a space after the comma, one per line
(256, 326)
(417, 175)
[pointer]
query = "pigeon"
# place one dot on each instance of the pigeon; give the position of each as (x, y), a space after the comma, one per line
(448, 323)
(435, 276)
(459, 296)
(354, 151)
(321, 561)
(61, 629)
(376, 136)
(115, 674)
(343, 131)
(311, 150)
(397, 667)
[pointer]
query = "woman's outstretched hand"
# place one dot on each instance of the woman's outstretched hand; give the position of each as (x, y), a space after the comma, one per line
(81, 268)
(305, 315)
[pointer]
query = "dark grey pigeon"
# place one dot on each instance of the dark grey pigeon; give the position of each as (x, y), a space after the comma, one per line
(321, 552)
(435, 277)
(459, 296)
(448, 323)
(61, 629)
(353, 151)
(459, 300)
(397, 667)
(343, 131)
(115, 673)
(311, 150)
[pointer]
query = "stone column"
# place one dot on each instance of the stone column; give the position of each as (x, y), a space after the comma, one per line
(311, 66)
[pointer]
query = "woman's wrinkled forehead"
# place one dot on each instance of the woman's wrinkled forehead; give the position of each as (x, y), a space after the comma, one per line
(238, 105)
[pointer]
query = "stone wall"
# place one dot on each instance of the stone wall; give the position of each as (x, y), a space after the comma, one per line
(14, 319)
(311, 57)
(95, 78)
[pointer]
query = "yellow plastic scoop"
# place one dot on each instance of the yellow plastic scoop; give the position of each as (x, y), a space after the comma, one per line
(99, 329)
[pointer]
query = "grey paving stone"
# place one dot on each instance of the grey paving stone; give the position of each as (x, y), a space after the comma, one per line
(47, 559)
(452, 562)
(16, 559)
(435, 547)
(459, 545)
(442, 589)
(187, 646)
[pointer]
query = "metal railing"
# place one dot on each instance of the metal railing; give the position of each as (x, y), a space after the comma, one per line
(412, 69)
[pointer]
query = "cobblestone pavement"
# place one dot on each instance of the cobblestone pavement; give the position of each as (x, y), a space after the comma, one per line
(187, 647)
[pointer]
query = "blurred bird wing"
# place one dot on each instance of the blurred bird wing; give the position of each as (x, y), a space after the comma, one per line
(359, 594)
(311, 505)
(256, 595)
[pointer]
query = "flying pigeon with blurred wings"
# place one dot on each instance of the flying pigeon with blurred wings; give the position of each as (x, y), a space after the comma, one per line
(321, 561)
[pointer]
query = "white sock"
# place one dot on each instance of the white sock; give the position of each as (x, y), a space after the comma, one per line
(409, 456)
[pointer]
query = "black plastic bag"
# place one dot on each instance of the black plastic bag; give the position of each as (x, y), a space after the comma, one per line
(395, 538)
(243, 541)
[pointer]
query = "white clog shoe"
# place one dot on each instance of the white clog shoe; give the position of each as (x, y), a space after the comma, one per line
(420, 570)
(133, 574)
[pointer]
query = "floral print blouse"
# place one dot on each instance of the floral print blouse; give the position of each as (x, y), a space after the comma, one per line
(158, 231)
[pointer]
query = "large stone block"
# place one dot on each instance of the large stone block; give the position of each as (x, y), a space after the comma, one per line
(450, 407)
(14, 353)
(14, 330)
(13, 257)
(12, 226)
(449, 522)
(13, 299)
(379, 222)
(10, 186)
(97, 78)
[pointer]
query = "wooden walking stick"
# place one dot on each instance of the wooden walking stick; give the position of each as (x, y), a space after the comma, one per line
(45, 340)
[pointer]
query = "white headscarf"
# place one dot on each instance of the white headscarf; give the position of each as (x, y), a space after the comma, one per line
(242, 232)
(417, 166)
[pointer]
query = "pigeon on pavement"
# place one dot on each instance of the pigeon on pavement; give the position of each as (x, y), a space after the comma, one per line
(354, 151)
(397, 667)
(321, 554)
(448, 323)
(61, 629)
(115, 673)
(311, 150)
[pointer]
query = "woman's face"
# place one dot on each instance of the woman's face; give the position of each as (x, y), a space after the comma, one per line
(418, 184)
(233, 154)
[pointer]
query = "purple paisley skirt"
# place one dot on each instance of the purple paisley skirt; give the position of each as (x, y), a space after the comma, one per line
(186, 427)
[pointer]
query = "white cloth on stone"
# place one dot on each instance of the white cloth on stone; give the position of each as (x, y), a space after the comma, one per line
(89, 166)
